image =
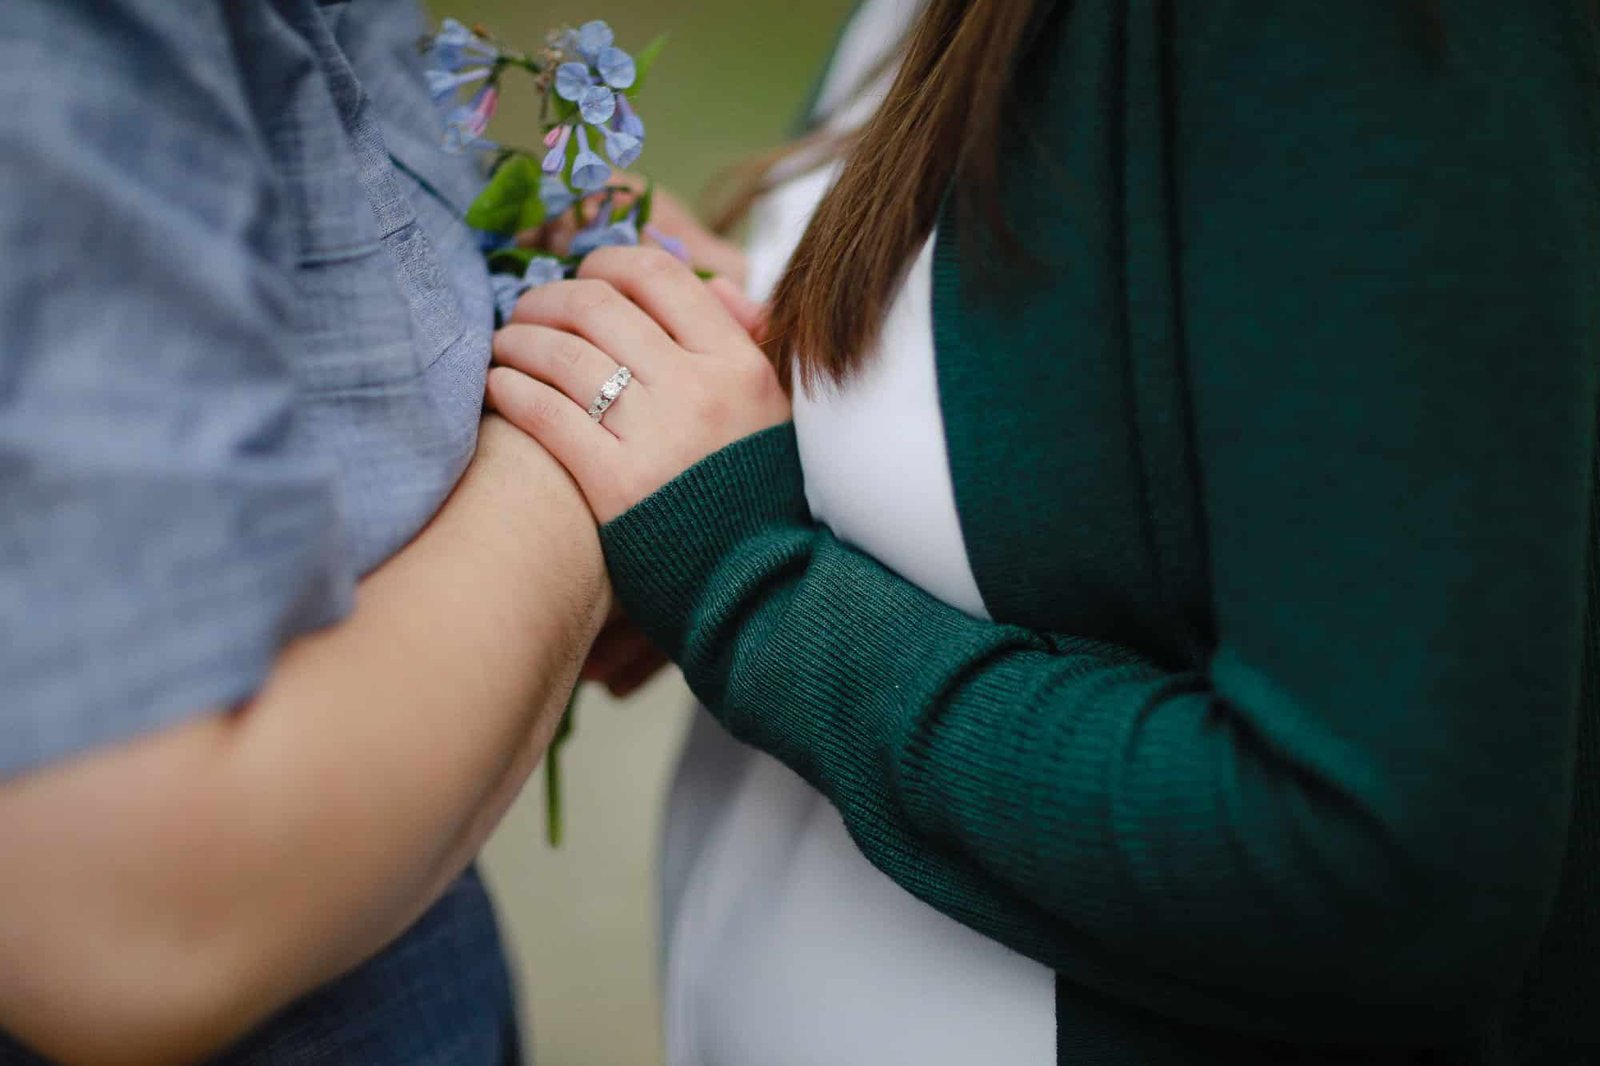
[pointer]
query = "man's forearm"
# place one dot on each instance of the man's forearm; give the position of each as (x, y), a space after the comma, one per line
(242, 859)
(406, 723)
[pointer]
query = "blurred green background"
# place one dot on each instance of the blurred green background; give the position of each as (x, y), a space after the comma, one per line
(582, 920)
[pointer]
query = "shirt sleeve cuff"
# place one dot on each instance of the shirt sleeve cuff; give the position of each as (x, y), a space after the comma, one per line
(666, 550)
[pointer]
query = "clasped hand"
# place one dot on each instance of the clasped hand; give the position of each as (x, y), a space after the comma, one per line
(700, 382)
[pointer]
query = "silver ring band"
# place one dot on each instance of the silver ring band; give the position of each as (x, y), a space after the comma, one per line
(609, 392)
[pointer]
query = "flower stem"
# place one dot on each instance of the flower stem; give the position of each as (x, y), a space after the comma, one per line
(554, 821)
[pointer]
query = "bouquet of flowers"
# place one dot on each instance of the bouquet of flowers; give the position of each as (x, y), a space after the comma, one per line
(587, 87)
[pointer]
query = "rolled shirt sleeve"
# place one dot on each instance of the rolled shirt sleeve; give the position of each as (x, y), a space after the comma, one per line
(164, 529)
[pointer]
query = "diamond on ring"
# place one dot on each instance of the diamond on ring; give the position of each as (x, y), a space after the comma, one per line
(609, 392)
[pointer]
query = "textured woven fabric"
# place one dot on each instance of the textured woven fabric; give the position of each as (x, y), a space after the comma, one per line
(243, 340)
(1273, 456)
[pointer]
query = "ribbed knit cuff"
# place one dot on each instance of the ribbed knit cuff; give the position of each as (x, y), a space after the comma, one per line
(663, 551)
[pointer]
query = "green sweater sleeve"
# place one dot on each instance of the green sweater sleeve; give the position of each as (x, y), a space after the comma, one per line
(1349, 823)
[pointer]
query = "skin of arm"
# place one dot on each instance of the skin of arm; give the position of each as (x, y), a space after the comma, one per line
(159, 898)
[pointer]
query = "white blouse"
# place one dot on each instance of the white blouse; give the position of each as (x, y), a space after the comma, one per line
(784, 946)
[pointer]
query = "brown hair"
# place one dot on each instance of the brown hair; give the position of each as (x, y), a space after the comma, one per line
(940, 121)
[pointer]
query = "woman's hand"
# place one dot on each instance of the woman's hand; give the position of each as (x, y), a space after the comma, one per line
(699, 380)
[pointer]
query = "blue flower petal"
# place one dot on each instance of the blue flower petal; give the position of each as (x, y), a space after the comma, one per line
(556, 157)
(489, 243)
(624, 234)
(627, 120)
(593, 38)
(507, 288)
(597, 104)
(616, 68)
(557, 198)
(623, 148)
(676, 248)
(442, 84)
(589, 171)
(572, 79)
(542, 270)
(455, 45)
(454, 31)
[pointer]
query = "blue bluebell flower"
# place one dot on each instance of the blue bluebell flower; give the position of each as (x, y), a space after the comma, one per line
(542, 270)
(555, 195)
(465, 127)
(507, 288)
(593, 38)
(455, 46)
(603, 233)
(627, 120)
(442, 84)
(673, 245)
(589, 171)
(556, 141)
(489, 243)
(597, 104)
(616, 68)
(571, 81)
(623, 148)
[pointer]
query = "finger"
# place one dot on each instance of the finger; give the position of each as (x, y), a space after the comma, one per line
(578, 442)
(604, 652)
(670, 293)
(706, 249)
(624, 662)
(599, 313)
(747, 312)
(566, 362)
(637, 673)
(611, 652)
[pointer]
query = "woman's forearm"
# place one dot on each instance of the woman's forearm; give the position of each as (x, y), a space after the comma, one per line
(161, 897)
(1174, 837)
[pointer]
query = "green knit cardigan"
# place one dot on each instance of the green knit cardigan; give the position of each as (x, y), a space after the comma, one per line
(1274, 457)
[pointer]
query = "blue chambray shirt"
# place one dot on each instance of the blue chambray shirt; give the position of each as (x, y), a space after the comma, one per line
(243, 339)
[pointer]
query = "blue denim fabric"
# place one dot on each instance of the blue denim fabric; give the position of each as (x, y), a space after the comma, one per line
(243, 339)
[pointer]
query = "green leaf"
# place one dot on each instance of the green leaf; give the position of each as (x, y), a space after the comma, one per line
(566, 110)
(511, 260)
(647, 202)
(533, 211)
(643, 60)
(499, 207)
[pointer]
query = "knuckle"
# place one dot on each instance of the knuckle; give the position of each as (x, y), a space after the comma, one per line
(597, 261)
(713, 405)
(528, 303)
(590, 297)
(757, 375)
(601, 261)
(653, 262)
(566, 350)
(542, 409)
